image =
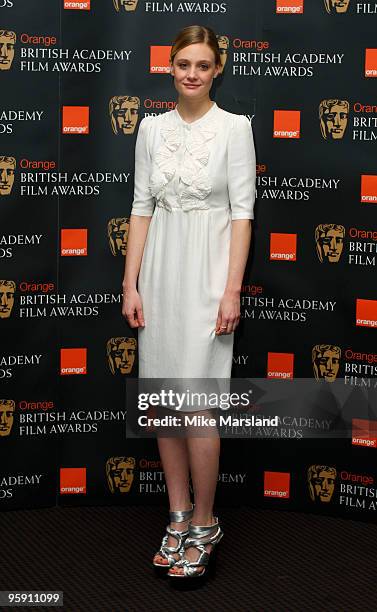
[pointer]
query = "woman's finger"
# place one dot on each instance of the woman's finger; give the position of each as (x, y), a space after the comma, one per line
(224, 326)
(140, 316)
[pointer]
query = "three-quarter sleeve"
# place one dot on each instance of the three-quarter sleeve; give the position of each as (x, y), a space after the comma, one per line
(241, 169)
(143, 202)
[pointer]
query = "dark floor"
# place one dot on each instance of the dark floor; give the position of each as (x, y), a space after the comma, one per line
(267, 561)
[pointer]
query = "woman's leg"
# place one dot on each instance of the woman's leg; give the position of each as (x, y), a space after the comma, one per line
(204, 465)
(175, 463)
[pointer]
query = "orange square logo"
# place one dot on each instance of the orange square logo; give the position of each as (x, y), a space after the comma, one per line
(366, 313)
(159, 59)
(72, 361)
(276, 484)
(369, 188)
(72, 480)
(80, 5)
(286, 124)
(75, 120)
(283, 247)
(364, 433)
(280, 365)
(74, 242)
(295, 7)
(371, 63)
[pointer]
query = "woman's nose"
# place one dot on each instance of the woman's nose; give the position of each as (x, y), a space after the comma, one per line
(192, 73)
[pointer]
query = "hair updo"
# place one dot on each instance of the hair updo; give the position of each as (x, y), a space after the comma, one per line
(196, 34)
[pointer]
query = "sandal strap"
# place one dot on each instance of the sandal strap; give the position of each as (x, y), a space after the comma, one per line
(189, 571)
(176, 532)
(211, 539)
(179, 516)
(179, 535)
(211, 535)
(171, 560)
(189, 567)
(201, 560)
(203, 530)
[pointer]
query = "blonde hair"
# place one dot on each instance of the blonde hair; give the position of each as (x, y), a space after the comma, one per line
(196, 34)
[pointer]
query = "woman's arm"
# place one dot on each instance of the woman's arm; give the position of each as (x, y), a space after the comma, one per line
(132, 307)
(137, 235)
(239, 252)
(241, 186)
(140, 218)
(229, 311)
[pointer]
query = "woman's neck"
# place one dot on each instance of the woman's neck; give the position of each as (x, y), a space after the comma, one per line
(192, 110)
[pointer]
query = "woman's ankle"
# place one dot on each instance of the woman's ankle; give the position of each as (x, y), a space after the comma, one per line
(180, 507)
(203, 520)
(180, 526)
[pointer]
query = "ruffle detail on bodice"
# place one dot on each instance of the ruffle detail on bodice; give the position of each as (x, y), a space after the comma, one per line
(193, 168)
(165, 164)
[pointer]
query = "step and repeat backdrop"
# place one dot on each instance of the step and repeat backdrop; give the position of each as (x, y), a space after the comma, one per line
(77, 77)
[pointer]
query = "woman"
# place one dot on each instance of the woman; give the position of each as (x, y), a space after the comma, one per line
(188, 243)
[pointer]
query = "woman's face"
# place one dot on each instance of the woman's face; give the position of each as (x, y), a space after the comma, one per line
(193, 70)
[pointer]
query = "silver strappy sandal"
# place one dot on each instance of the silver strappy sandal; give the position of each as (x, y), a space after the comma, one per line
(178, 516)
(208, 534)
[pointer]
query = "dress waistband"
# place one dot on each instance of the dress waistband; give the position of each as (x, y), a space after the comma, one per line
(187, 210)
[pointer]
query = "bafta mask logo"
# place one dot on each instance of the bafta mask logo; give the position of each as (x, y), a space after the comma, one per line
(7, 168)
(127, 5)
(7, 42)
(333, 118)
(7, 291)
(223, 42)
(124, 113)
(120, 474)
(321, 481)
(329, 239)
(117, 231)
(121, 354)
(336, 6)
(326, 361)
(7, 407)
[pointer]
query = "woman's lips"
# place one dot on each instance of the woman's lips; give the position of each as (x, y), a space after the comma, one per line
(190, 86)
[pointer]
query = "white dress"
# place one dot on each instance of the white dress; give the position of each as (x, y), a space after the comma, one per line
(194, 179)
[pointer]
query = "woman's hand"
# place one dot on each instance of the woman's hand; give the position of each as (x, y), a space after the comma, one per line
(132, 308)
(229, 313)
